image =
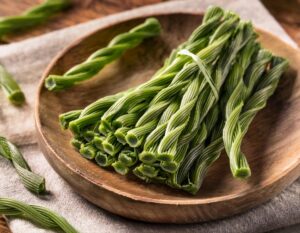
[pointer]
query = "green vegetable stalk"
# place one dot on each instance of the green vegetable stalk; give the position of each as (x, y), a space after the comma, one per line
(11, 88)
(36, 214)
(32, 17)
(33, 182)
(101, 57)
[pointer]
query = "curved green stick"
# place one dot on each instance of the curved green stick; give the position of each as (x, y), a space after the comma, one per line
(102, 57)
(32, 17)
(36, 214)
(196, 41)
(33, 182)
(241, 115)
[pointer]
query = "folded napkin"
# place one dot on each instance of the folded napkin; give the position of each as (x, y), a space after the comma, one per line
(26, 61)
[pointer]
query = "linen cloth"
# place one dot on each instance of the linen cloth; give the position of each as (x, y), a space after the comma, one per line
(27, 60)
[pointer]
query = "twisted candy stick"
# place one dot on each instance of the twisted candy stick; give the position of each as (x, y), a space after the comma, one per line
(148, 121)
(207, 54)
(197, 150)
(31, 181)
(240, 116)
(148, 155)
(116, 47)
(256, 102)
(33, 16)
(11, 88)
(211, 92)
(234, 106)
(165, 77)
(244, 38)
(196, 41)
(37, 214)
(151, 146)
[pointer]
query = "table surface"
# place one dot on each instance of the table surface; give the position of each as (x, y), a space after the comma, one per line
(287, 14)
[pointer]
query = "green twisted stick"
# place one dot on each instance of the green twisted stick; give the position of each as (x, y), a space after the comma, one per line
(220, 76)
(243, 35)
(33, 182)
(148, 155)
(197, 147)
(211, 20)
(256, 102)
(32, 17)
(185, 72)
(116, 47)
(165, 77)
(240, 116)
(178, 121)
(36, 214)
(11, 88)
(234, 106)
(205, 159)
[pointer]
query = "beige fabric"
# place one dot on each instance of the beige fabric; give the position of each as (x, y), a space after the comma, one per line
(27, 60)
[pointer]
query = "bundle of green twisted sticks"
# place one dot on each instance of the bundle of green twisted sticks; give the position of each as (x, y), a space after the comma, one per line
(172, 128)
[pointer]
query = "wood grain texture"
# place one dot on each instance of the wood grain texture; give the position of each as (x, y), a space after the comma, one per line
(3, 225)
(272, 144)
(82, 11)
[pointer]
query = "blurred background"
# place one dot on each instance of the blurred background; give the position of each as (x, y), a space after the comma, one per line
(286, 12)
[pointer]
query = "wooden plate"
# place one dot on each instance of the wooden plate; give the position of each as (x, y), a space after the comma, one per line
(272, 144)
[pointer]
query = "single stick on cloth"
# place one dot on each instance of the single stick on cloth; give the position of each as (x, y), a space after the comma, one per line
(36, 214)
(33, 182)
(11, 88)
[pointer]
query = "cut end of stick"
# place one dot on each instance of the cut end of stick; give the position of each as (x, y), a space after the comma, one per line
(103, 160)
(132, 140)
(147, 157)
(242, 173)
(165, 157)
(170, 167)
(120, 168)
(88, 152)
(17, 98)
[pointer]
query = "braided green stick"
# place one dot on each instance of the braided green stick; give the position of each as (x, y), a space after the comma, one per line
(240, 115)
(205, 156)
(243, 35)
(165, 77)
(33, 182)
(196, 41)
(11, 88)
(32, 17)
(234, 106)
(95, 62)
(36, 214)
(256, 102)
(173, 130)
(208, 54)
